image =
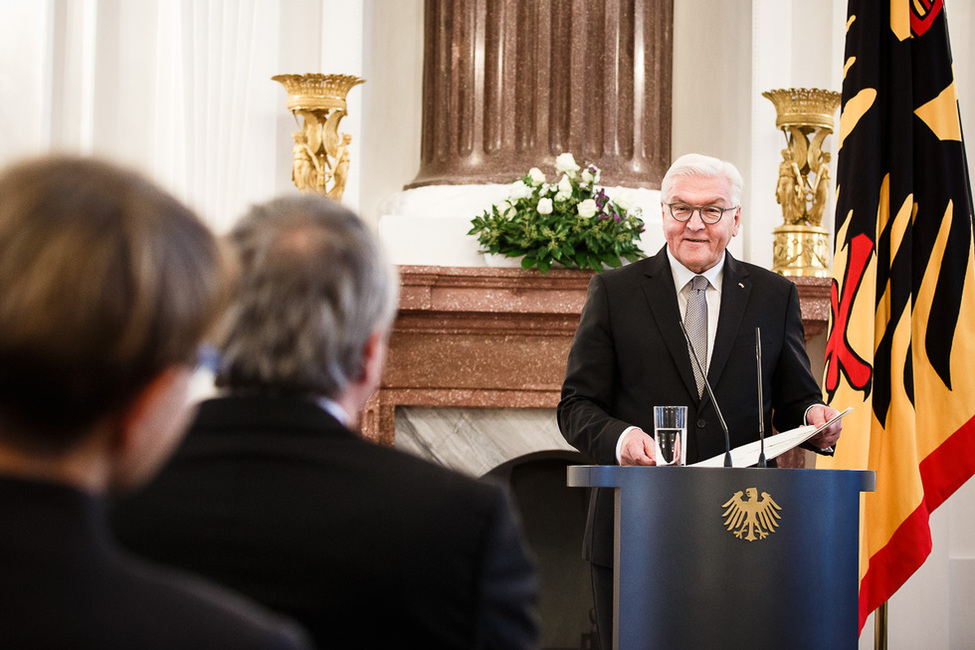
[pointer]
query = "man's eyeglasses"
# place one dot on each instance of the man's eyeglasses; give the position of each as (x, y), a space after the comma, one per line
(710, 214)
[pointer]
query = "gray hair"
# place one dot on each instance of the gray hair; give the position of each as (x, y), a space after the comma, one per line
(695, 164)
(315, 285)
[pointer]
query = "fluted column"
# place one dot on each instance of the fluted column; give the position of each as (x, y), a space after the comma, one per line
(510, 84)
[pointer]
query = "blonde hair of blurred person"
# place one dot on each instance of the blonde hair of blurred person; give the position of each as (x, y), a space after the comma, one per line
(107, 286)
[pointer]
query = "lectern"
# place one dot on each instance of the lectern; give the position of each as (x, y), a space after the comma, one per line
(734, 558)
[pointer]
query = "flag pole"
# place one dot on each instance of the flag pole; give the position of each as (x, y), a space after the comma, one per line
(880, 627)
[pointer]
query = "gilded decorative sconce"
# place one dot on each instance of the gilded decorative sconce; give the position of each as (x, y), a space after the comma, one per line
(321, 154)
(801, 246)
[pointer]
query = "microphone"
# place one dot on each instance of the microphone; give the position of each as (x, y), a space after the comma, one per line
(761, 402)
(707, 386)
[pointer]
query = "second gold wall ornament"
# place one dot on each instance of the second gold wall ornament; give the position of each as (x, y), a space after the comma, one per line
(805, 116)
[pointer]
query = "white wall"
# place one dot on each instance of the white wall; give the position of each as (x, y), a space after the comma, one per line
(394, 69)
(182, 90)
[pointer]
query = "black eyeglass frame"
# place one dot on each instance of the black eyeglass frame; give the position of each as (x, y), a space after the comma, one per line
(700, 210)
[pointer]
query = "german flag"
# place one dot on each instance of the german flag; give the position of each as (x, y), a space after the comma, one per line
(902, 331)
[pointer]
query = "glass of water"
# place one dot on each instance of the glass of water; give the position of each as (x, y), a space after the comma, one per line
(670, 434)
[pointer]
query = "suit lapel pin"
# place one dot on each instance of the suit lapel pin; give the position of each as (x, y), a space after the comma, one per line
(741, 285)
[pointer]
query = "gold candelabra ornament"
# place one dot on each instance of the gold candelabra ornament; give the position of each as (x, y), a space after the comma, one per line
(805, 115)
(321, 155)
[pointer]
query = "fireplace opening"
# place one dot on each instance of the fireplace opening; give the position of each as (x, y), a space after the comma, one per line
(554, 519)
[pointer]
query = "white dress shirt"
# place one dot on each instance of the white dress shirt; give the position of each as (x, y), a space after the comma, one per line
(333, 409)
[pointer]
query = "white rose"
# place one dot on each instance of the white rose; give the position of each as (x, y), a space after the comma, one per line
(537, 175)
(562, 196)
(545, 206)
(519, 191)
(587, 208)
(505, 209)
(625, 199)
(566, 162)
(565, 185)
(587, 176)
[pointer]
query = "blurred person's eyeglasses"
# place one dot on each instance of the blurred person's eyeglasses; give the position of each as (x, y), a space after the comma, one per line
(205, 357)
(710, 214)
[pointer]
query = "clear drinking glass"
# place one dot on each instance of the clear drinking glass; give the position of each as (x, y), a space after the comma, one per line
(670, 434)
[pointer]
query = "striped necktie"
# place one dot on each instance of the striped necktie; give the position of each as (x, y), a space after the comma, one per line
(696, 323)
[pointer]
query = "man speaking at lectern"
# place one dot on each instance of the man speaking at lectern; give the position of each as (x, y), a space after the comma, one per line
(629, 353)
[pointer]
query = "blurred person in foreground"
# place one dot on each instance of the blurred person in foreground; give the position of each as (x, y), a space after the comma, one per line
(274, 494)
(107, 285)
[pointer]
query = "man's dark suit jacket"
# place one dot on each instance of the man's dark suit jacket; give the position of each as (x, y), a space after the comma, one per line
(367, 546)
(64, 583)
(629, 355)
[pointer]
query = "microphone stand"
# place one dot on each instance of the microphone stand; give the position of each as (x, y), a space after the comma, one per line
(761, 401)
(707, 387)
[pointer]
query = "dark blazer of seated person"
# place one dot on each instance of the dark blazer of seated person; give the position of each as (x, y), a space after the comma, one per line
(273, 494)
(65, 583)
(107, 285)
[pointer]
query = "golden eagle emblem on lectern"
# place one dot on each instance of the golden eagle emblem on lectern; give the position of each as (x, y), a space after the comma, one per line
(751, 518)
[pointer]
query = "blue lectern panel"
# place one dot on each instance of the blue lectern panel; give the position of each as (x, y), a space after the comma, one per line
(734, 558)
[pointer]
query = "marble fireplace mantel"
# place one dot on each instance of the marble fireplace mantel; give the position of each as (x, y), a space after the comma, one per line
(480, 337)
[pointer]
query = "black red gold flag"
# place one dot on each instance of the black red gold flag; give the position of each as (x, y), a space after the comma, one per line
(902, 331)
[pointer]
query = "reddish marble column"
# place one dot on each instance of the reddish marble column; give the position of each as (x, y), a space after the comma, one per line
(510, 84)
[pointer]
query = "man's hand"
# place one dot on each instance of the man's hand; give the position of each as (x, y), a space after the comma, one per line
(637, 449)
(819, 415)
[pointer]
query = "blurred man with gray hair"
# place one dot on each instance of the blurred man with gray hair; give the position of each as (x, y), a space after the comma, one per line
(272, 492)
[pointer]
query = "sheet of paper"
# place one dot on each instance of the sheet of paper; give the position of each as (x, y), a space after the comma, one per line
(747, 455)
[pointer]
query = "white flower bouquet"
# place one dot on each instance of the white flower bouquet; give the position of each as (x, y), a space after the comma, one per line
(571, 223)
